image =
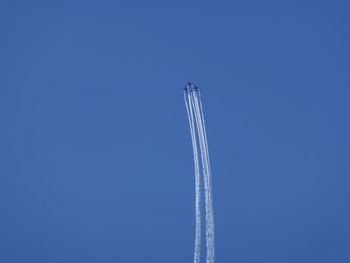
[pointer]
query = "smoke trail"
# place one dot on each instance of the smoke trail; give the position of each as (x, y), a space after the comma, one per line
(207, 181)
(197, 179)
(197, 126)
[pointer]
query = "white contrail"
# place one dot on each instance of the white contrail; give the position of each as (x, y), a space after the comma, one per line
(207, 181)
(198, 191)
(197, 247)
(197, 126)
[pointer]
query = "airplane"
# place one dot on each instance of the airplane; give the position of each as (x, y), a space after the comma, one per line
(188, 86)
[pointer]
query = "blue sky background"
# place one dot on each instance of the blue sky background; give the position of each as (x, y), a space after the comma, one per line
(95, 152)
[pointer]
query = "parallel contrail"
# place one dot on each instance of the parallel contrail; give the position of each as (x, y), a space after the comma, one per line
(197, 245)
(199, 136)
(207, 182)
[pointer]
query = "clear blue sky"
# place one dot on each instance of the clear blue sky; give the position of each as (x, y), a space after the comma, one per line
(95, 152)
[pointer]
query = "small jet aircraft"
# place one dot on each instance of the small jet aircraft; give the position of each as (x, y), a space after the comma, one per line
(189, 86)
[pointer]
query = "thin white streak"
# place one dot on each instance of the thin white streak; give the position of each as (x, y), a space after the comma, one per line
(198, 131)
(207, 179)
(197, 247)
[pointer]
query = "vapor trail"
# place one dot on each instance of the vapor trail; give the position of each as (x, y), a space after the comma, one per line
(207, 180)
(198, 132)
(197, 247)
